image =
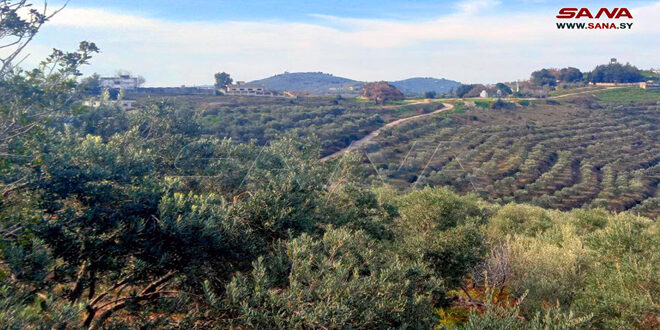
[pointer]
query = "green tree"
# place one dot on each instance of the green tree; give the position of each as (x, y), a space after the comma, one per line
(570, 74)
(504, 88)
(91, 85)
(463, 89)
(222, 79)
(544, 77)
(615, 73)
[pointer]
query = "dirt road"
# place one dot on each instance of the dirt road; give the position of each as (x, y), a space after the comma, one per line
(365, 140)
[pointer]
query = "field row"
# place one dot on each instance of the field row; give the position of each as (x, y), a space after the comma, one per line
(597, 158)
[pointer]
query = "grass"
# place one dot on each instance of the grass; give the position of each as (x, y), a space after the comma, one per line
(634, 94)
(649, 74)
(482, 104)
(459, 108)
(560, 92)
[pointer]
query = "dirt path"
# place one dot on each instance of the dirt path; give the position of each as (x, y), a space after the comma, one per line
(365, 140)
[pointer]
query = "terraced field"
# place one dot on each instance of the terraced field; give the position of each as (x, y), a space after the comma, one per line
(337, 122)
(558, 156)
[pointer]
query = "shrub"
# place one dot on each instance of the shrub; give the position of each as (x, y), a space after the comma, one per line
(518, 219)
(342, 280)
(623, 288)
(499, 104)
(453, 253)
(433, 209)
(501, 317)
(550, 267)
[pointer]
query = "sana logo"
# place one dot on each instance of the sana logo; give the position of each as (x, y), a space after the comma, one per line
(577, 13)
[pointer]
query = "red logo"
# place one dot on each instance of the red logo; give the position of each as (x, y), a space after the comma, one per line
(616, 13)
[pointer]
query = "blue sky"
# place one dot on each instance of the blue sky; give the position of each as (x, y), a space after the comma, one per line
(300, 10)
(184, 42)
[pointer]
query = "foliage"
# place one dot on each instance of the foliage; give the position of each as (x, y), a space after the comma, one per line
(149, 219)
(570, 74)
(462, 90)
(381, 92)
(499, 104)
(550, 268)
(544, 77)
(615, 73)
(629, 95)
(518, 219)
(498, 317)
(222, 79)
(336, 122)
(550, 77)
(504, 88)
(343, 279)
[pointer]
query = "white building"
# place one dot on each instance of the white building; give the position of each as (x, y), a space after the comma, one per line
(241, 88)
(125, 82)
(483, 93)
(97, 102)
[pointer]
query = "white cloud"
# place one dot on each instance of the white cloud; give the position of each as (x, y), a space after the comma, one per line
(472, 7)
(473, 45)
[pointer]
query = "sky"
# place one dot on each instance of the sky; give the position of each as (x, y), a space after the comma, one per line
(173, 43)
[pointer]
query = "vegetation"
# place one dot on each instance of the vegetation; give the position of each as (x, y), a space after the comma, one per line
(419, 86)
(146, 219)
(335, 121)
(629, 95)
(587, 153)
(615, 73)
(222, 79)
(381, 92)
(551, 77)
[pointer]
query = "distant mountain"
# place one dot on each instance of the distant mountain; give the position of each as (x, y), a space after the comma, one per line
(320, 83)
(418, 86)
(313, 82)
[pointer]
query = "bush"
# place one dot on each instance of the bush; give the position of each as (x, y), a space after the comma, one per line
(342, 280)
(623, 288)
(518, 219)
(499, 104)
(551, 267)
(430, 209)
(497, 317)
(454, 253)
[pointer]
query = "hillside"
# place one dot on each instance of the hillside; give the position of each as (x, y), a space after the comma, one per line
(418, 86)
(591, 152)
(314, 82)
(320, 83)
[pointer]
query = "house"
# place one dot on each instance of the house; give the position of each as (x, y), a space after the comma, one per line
(125, 82)
(97, 102)
(241, 88)
(483, 93)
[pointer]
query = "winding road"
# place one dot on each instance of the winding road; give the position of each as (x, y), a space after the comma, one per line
(365, 140)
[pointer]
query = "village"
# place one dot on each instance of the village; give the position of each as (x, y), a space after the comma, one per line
(122, 89)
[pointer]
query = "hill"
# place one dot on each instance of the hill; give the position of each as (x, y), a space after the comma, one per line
(418, 86)
(320, 83)
(313, 82)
